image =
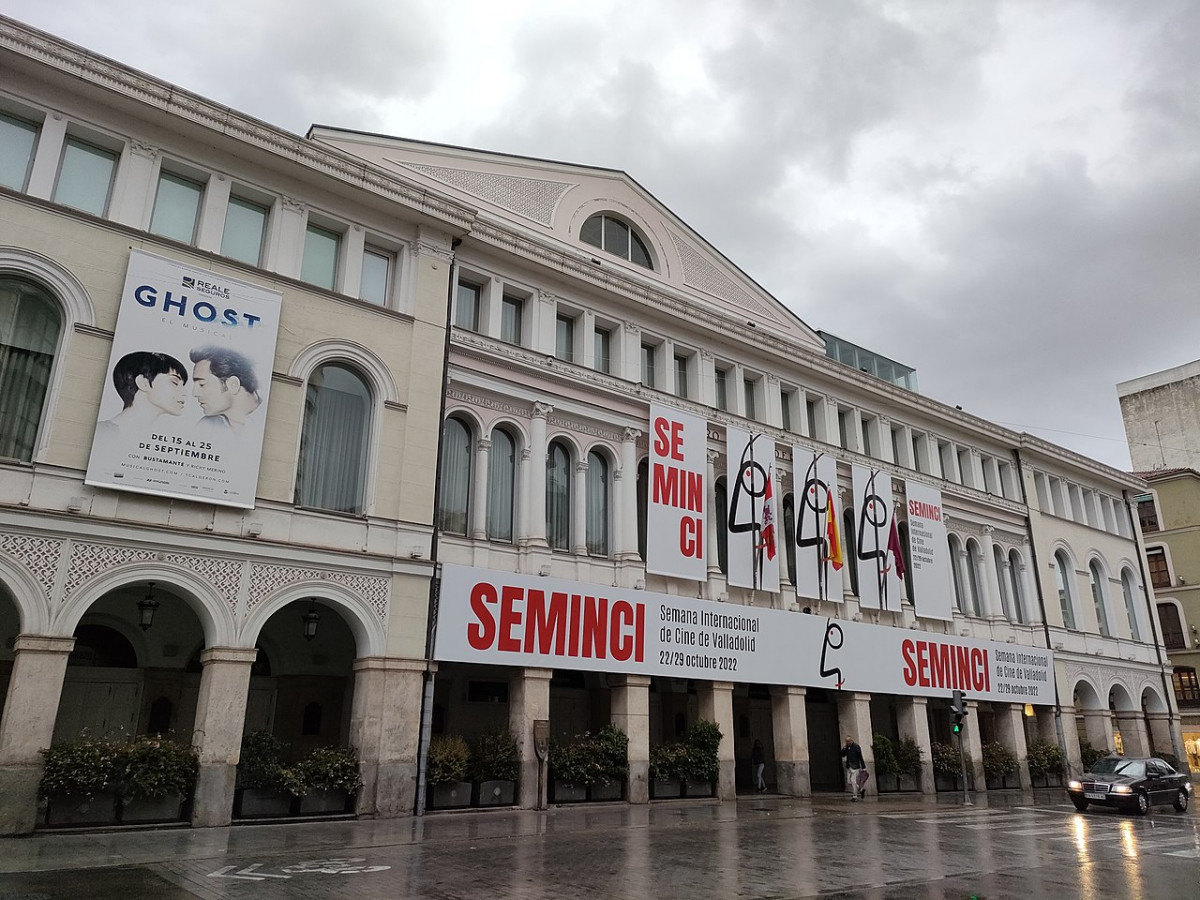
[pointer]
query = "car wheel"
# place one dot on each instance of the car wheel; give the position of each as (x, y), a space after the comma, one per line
(1080, 805)
(1181, 801)
(1141, 803)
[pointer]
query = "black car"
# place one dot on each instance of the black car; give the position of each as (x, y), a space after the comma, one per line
(1131, 783)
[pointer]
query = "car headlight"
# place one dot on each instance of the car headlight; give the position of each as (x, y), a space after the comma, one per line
(1122, 789)
(1074, 786)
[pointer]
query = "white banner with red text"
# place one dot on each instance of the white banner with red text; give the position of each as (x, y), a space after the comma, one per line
(675, 532)
(506, 619)
(933, 585)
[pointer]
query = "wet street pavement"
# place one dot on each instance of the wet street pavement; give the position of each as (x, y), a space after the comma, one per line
(758, 847)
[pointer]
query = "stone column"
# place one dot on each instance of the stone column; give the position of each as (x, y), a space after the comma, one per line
(220, 719)
(1029, 592)
(1134, 737)
(627, 512)
(789, 730)
(962, 559)
(477, 527)
(1070, 738)
(579, 510)
(536, 517)
(854, 722)
(630, 711)
(912, 717)
(528, 701)
(1160, 734)
(385, 726)
(716, 705)
(1010, 731)
(714, 536)
(27, 728)
(973, 746)
(1099, 727)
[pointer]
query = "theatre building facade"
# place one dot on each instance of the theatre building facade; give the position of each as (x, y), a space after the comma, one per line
(663, 500)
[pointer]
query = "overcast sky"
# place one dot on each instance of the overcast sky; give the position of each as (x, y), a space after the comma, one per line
(1005, 195)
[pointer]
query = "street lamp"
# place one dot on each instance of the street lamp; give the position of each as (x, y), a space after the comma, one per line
(312, 619)
(146, 608)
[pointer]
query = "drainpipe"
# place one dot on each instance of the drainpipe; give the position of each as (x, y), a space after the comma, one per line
(1162, 671)
(435, 583)
(1037, 579)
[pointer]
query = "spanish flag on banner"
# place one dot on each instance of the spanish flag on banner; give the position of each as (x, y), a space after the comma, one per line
(833, 539)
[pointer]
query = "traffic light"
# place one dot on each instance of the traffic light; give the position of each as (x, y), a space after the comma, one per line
(958, 709)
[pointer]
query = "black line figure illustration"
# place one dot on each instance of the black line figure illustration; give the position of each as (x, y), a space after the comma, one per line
(832, 629)
(817, 525)
(873, 535)
(752, 489)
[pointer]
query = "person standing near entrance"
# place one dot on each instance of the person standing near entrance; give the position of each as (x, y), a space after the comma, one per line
(856, 769)
(758, 759)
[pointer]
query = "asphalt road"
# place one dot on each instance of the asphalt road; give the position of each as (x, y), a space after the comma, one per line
(755, 848)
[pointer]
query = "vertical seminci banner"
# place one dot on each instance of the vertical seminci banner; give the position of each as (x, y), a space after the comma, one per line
(754, 533)
(929, 552)
(675, 513)
(186, 387)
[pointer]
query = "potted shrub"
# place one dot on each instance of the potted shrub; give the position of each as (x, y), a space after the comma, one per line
(668, 763)
(887, 769)
(611, 747)
(947, 766)
(908, 764)
(1045, 763)
(331, 778)
(573, 766)
(999, 764)
(495, 763)
(703, 768)
(446, 769)
(1089, 754)
(79, 782)
(265, 786)
(155, 777)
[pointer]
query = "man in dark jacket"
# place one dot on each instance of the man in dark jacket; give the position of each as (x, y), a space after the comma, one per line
(856, 770)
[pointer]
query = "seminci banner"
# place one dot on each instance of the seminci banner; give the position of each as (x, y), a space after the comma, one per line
(187, 385)
(500, 618)
(933, 586)
(675, 509)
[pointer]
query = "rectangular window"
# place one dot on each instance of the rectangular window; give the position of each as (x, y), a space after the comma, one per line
(85, 177)
(1187, 687)
(466, 306)
(722, 389)
(321, 250)
(1147, 514)
(868, 442)
(512, 311)
(376, 273)
(176, 207)
(648, 352)
(965, 471)
(810, 415)
(564, 338)
(844, 429)
(750, 392)
(681, 376)
(245, 229)
(1156, 562)
(786, 399)
(17, 140)
(603, 350)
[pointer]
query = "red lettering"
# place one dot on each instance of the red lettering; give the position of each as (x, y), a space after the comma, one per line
(573, 650)
(910, 668)
(595, 617)
(639, 632)
(977, 660)
(691, 538)
(546, 623)
(987, 672)
(962, 668)
(694, 497)
(481, 634)
(509, 616)
(939, 659)
(923, 663)
(666, 484)
(662, 440)
(620, 643)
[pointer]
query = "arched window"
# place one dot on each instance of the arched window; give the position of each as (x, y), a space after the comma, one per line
(721, 497)
(558, 497)
(333, 446)
(502, 484)
(1062, 577)
(1096, 577)
(974, 597)
(455, 494)
(29, 328)
(956, 573)
(1129, 589)
(643, 504)
(1005, 584)
(597, 505)
(615, 236)
(789, 535)
(1018, 594)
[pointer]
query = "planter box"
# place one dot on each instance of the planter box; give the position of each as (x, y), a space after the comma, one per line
(665, 788)
(887, 784)
(698, 789)
(910, 783)
(168, 808)
(496, 793)
(951, 783)
(1003, 782)
(320, 801)
(609, 790)
(452, 795)
(568, 792)
(71, 809)
(257, 803)
(1046, 779)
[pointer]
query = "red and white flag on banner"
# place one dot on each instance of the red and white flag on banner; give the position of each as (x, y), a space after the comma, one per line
(750, 489)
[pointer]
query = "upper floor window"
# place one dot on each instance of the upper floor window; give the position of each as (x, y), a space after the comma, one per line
(1147, 514)
(564, 338)
(648, 353)
(1015, 565)
(597, 505)
(456, 476)
(321, 250)
(1156, 562)
(722, 376)
(29, 330)
(602, 348)
(376, 275)
(466, 306)
(681, 376)
(1172, 627)
(1129, 591)
(1096, 579)
(1187, 687)
(17, 141)
(85, 177)
(502, 486)
(786, 399)
(558, 497)
(612, 235)
(512, 312)
(1063, 572)
(750, 392)
(245, 230)
(176, 207)
(333, 445)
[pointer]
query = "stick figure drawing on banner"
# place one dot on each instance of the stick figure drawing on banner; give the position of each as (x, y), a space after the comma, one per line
(873, 535)
(751, 508)
(817, 525)
(834, 638)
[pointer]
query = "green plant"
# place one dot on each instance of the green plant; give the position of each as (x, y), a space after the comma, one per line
(946, 760)
(1089, 754)
(448, 761)
(260, 766)
(571, 762)
(908, 757)
(1045, 757)
(612, 747)
(702, 740)
(668, 761)
(149, 767)
(998, 760)
(494, 757)
(885, 756)
(85, 765)
(331, 769)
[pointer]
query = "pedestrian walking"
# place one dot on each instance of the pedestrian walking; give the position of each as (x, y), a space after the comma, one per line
(758, 759)
(856, 770)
